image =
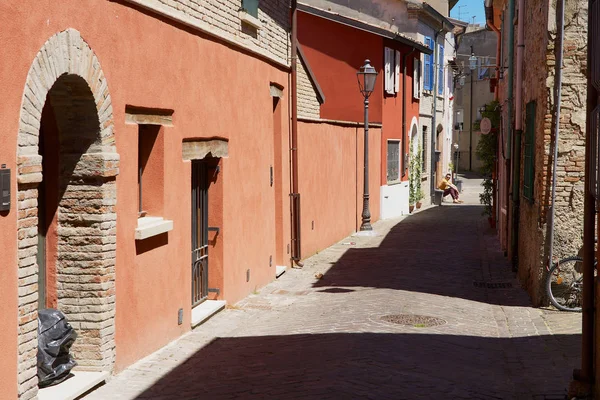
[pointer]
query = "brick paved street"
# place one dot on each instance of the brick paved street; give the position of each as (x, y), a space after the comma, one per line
(307, 338)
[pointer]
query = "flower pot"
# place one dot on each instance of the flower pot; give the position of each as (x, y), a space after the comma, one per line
(411, 207)
(418, 205)
(492, 222)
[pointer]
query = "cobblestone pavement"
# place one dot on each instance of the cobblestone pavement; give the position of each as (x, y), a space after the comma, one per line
(307, 338)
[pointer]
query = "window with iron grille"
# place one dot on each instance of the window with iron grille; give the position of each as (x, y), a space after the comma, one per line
(529, 151)
(424, 153)
(393, 160)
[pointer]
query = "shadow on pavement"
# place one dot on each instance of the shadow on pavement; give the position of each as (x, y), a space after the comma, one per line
(374, 366)
(441, 251)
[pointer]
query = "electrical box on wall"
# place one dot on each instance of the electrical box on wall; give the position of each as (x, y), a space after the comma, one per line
(4, 188)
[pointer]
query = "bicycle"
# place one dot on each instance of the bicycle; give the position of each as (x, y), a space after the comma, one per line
(564, 283)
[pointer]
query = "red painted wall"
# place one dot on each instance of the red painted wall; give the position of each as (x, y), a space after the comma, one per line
(331, 174)
(335, 52)
(392, 113)
(200, 79)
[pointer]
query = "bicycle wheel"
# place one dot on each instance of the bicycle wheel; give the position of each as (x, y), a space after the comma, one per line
(564, 284)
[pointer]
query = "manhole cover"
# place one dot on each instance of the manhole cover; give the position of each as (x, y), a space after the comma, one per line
(419, 321)
(493, 285)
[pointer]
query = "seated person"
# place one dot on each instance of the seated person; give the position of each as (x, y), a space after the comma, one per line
(450, 189)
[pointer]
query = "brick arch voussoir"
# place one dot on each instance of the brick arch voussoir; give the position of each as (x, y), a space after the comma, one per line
(64, 53)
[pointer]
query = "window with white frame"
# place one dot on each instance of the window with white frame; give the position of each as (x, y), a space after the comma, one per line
(392, 70)
(393, 160)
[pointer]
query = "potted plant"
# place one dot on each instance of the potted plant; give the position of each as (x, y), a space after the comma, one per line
(418, 167)
(486, 151)
(415, 192)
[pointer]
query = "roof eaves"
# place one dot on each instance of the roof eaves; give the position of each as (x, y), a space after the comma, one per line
(399, 37)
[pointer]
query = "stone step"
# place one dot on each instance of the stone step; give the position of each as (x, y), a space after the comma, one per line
(205, 310)
(70, 389)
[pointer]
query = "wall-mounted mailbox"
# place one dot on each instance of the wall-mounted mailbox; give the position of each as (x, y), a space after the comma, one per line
(4, 188)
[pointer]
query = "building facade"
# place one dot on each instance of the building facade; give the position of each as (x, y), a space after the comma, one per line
(528, 135)
(133, 164)
(473, 92)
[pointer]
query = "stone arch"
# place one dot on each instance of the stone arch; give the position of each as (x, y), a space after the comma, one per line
(414, 134)
(67, 75)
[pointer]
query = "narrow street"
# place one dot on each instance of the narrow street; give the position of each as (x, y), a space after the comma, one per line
(355, 332)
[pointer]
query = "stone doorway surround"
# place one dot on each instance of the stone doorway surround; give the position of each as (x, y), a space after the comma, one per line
(85, 270)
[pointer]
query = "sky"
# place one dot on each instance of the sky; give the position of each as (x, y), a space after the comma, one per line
(468, 9)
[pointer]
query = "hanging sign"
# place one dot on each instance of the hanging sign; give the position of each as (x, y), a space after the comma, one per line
(485, 126)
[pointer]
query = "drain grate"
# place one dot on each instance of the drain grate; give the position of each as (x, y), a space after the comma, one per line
(419, 321)
(493, 285)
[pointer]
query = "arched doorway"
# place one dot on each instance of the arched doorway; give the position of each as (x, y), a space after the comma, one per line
(67, 164)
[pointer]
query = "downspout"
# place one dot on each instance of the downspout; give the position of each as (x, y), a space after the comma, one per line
(404, 58)
(589, 224)
(433, 127)
(510, 139)
(489, 20)
(295, 196)
(558, 90)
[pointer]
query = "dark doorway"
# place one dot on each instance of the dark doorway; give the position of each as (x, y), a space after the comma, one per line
(199, 232)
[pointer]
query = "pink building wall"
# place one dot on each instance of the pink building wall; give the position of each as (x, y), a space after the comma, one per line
(144, 68)
(331, 182)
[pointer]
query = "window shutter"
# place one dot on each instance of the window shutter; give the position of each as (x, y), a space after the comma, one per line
(529, 151)
(427, 66)
(416, 78)
(389, 83)
(397, 73)
(441, 70)
(251, 7)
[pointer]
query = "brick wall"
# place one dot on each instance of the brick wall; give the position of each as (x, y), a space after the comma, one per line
(308, 105)
(540, 24)
(221, 18)
(86, 231)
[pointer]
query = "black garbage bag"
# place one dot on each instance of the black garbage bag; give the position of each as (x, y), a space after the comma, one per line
(55, 338)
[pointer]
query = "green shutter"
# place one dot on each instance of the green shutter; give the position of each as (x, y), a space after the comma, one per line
(251, 7)
(529, 152)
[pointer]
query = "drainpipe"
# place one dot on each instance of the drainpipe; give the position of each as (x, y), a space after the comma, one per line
(589, 225)
(489, 20)
(295, 196)
(558, 88)
(432, 184)
(404, 58)
(510, 140)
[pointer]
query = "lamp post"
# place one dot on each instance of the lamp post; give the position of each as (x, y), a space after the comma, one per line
(455, 145)
(366, 76)
(472, 67)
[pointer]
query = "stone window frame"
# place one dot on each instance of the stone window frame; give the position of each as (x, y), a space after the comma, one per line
(149, 225)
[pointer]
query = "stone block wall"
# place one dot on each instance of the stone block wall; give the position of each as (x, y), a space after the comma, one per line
(222, 18)
(541, 24)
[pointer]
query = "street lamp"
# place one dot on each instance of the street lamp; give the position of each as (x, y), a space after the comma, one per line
(366, 82)
(455, 145)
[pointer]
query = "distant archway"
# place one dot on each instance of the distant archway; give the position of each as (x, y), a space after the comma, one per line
(66, 116)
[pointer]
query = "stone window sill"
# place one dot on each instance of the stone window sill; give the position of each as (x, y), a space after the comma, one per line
(152, 226)
(249, 19)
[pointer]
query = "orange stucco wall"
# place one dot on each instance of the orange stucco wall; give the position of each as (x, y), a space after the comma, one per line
(195, 78)
(331, 174)
(335, 53)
